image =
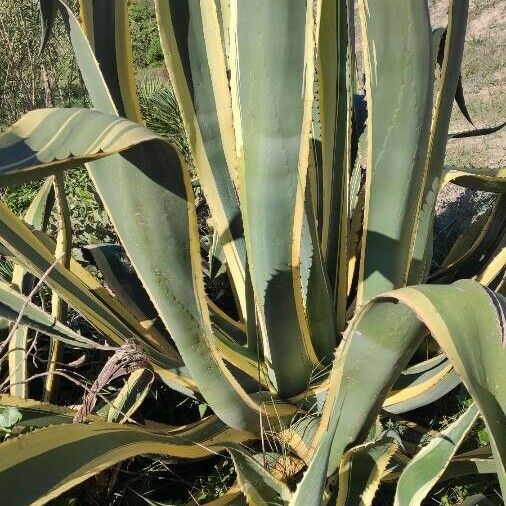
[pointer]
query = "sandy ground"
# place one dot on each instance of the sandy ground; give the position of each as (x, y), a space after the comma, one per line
(484, 82)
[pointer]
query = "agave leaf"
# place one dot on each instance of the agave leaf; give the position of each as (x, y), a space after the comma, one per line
(36, 258)
(234, 345)
(474, 462)
(59, 308)
(272, 140)
(310, 489)
(13, 304)
(354, 412)
(225, 325)
(450, 71)
(439, 40)
(441, 309)
(334, 61)
(466, 240)
(472, 356)
(191, 42)
(484, 179)
(251, 374)
(126, 402)
(438, 46)
(460, 467)
(476, 132)
(106, 26)
(421, 385)
(40, 414)
(46, 141)
(126, 286)
(152, 185)
(461, 101)
(38, 213)
(398, 78)
(491, 275)
(48, 9)
(257, 484)
(475, 258)
(361, 470)
(37, 216)
(217, 260)
(422, 473)
(316, 292)
(84, 450)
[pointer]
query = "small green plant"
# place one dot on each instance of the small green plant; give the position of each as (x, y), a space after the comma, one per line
(336, 322)
(160, 112)
(9, 417)
(146, 48)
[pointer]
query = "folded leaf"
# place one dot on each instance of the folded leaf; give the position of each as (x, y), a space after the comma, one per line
(485, 179)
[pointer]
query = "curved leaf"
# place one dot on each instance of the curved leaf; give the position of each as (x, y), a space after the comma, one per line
(258, 485)
(361, 470)
(387, 333)
(476, 132)
(151, 184)
(47, 140)
(48, 9)
(419, 386)
(476, 255)
(484, 179)
(106, 26)
(82, 451)
(428, 465)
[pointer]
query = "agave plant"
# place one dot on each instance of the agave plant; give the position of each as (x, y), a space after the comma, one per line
(326, 256)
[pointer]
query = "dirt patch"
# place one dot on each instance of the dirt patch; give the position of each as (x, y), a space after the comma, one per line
(484, 81)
